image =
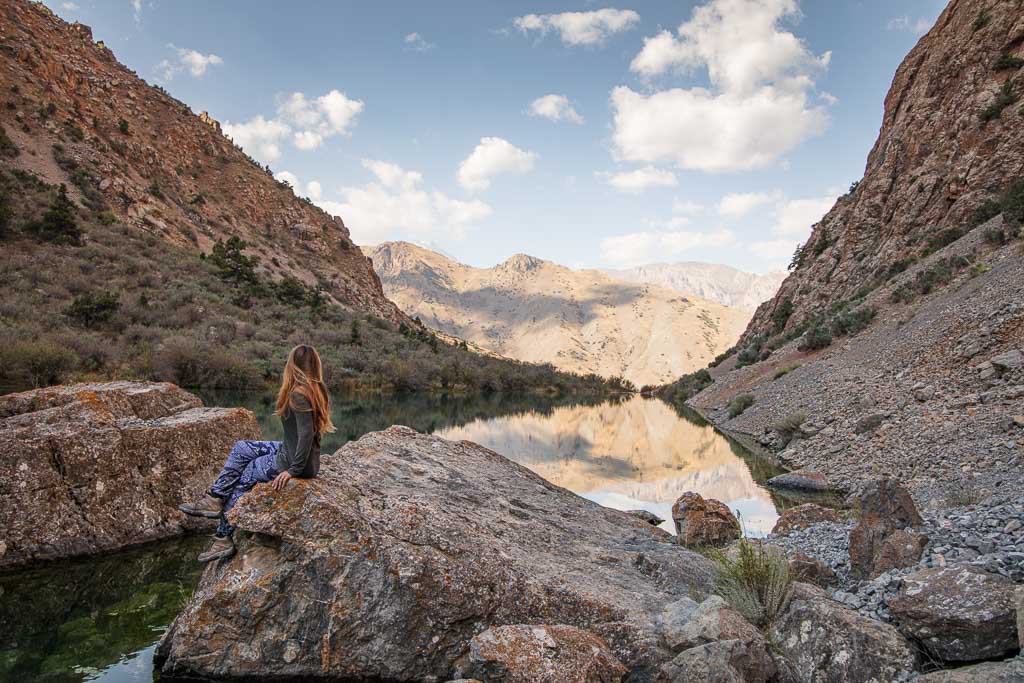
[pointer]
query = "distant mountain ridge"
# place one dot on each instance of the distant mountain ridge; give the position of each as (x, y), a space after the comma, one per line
(728, 286)
(538, 311)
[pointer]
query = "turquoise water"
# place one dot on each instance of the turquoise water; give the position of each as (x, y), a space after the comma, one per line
(99, 620)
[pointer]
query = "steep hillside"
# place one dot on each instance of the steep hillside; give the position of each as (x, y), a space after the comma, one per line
(538, 311)
(896, 346)
(950, 145)
(81, 118)
(725, 285)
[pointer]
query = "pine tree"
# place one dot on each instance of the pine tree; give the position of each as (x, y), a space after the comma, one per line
(58, 224)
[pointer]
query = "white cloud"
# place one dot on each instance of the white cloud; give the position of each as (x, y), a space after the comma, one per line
(70, 6)
(394, 206)
(918, 27)
(287, 177)
(580, 28)
(794, 219)
(556, 108)
(757, 108)
(635, 182)
(308, 122)
(687, 207)
(639, 248)
(739, 204)
(492, 156)
(415, 42)
(314, 190)
(136, 9)
(258, 137)
(194, 61)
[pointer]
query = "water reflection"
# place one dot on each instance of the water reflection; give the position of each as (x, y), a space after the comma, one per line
(634, 454)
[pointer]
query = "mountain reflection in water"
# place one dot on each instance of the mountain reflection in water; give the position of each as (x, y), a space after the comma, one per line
(635, 454)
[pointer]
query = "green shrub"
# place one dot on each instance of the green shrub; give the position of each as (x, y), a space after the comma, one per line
(122, 126)
(690, 385)
(785, 370)
(816, 337)
(821, 244)
(1005, 98)
(979, 269)
(985, 212)
(1012, 204)
(789, 427)
(93, 309)
(781, 314)
(756, 583)
(720, 358)
(7, 146)
(193, 363)
(751, 353)
(41, 363)
(942, 239)
(58, 224)
(1007, 62)
(850, 322)
(739, 404)
(982, 20)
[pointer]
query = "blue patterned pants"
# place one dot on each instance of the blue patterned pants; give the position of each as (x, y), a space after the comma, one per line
(249, 463)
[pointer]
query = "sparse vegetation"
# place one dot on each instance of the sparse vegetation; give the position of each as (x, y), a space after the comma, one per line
(122, 126)
(789, 427)
(1004, 98)
(1007, 63)
(690, 385)
(179, 318)
(982, 20)
(849, 321)
(7, 146)
(93, 309)
(979, 269)
(58, 224)
(816, 337)
(781, 314)
(784, 370)
(941, 239)
(740, 404)
(756, 583)
(941, 272)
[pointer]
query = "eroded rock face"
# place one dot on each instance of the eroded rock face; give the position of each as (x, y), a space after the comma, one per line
(885, 507)
(541, 654)
(803, 516)
(958, 613)
(87, 468)
(703, 522)
(408, 546)
(824, 641)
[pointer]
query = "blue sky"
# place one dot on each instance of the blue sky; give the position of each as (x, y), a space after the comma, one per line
(592, 134)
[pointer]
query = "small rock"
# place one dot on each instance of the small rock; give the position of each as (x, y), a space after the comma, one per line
(801, 480)
(644, 515)
(1011, 360)
(803, 516)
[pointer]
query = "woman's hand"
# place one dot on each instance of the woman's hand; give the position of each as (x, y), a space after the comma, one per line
(281, 480)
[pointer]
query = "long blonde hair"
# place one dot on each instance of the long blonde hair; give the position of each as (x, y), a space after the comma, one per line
(304, 374)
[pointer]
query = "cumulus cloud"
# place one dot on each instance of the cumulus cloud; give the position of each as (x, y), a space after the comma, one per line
(312, 190)
(491, 157)
(757, 108)
(259, 137)
(635, 182)
(415, 42)
(395, 206)
(306, 121)
(918, 27)
(555, 108)
(687, 207)
(580, 28)
(195, 62)
(639, 248)
(793, 220)
(740, 204)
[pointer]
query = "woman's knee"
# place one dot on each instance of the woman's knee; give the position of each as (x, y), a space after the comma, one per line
(240, 448)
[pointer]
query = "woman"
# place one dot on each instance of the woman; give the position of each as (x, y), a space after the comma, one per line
(305, 411)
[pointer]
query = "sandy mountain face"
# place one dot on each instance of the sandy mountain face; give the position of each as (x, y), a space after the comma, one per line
(538, 311)
(81, 118)
(725, 285)
(950, 142)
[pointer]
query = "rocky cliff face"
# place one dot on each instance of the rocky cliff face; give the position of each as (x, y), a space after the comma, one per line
(87, 468)
(538, 311)
(950, 141)
(712, 281)
(130, 148)
(404, 549)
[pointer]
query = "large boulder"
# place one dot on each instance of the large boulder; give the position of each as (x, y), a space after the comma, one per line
(703, 522)
(718, 639)
(1010, 671)
(408, 546)
(89, 468)
(825, 642)
(540, 654)
(958, 613)
(803, 516)
(884, 507)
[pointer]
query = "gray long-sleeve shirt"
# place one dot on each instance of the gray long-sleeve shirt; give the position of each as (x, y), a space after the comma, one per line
(300, 452)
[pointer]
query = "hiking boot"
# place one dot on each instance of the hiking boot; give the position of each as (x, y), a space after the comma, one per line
(221, 549)
(209, 506)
